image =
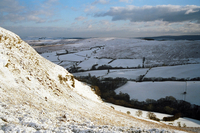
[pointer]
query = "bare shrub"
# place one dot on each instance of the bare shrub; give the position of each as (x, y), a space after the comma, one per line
(179, 124)
(112, 107)
(184, 125)
(152, 116)
(138, 113)
(128, 112)
(66, 78)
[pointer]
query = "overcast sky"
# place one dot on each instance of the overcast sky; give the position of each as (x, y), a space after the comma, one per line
(100, 18)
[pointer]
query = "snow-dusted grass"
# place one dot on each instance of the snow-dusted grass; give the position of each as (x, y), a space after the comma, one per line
(157, 90)
(182, 71)
(23, 118)
(85, 91)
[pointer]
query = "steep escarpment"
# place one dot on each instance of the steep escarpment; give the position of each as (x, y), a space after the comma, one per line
(37, 95)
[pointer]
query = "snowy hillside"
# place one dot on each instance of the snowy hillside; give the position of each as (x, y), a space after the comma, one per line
(39, 96)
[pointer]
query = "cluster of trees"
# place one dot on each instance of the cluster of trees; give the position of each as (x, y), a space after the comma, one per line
(106, 86)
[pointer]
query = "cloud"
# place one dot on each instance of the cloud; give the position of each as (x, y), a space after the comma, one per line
(10, 6)
(74, 9)
(93, 7)
(191, 11)
(100, 2)
(12, 11)
(90, 8)
(169, 13)
(35, 18)
(47, 8)
(54, 20)
(89, 26)
(127, 1)
(80, 18)
(104, 29)
(105, 22)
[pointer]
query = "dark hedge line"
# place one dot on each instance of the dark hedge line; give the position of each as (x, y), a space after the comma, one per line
(170, 79)
(172, 118)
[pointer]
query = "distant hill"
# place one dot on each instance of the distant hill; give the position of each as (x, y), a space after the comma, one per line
(164, 38)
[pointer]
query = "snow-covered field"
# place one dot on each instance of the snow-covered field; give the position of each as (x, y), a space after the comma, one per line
(156, 90)
(179, 72)
(131, 74)
(125, 63)
(86, 65)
